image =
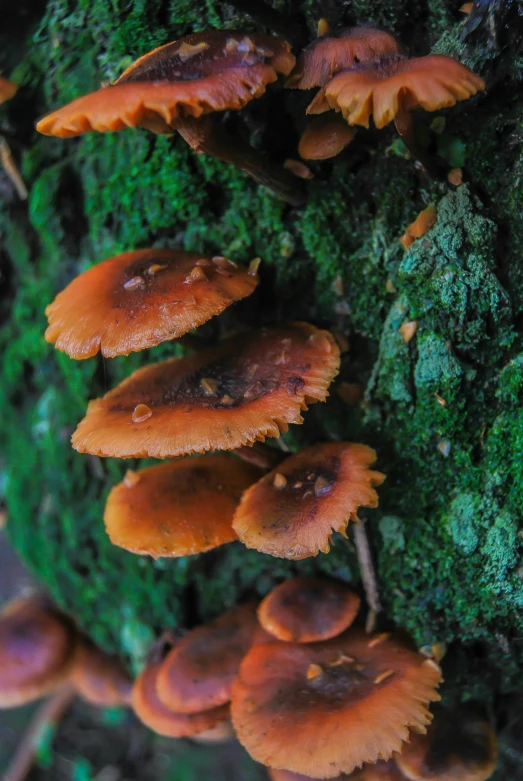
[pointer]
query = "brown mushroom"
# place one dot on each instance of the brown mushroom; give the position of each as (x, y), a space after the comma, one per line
(100, 678)
(388, 89)
(459, 745)
(140, 299)
(8, 89)
(324, 137)
(37, 647)
(423, 223)
(200, 670)
(325, 708)
(336, 51)
(179, 508)
(248, 388)
(293, 511)
(381, 771)
(306, 610)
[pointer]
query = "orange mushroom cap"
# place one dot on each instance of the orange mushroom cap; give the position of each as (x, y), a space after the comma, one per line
(203, 72)
(151, 711)
(384, 88)
(381, 771)
(306, 610)
(331, 53)
(200, 670)
(459, 745)
(100, 678)
(179, 508)
(248, 388)
(37, 646)
(423, 223)
(139, 299)
(325, 137)
(325, 708)
(8, 89)
(293, 511)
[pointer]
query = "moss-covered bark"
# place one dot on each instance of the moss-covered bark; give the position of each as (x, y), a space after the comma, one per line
(444, 411)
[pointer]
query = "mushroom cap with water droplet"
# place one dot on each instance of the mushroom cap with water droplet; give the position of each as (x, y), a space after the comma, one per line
(37, 648)
(324, 486)
(204, 72)
(307, 610)
(164, 721)
(264, 380)
(179, 508)
(100, 678)
(200, 670)
(140, 299)
(392, 85)
(336, 51)
(459, 745)
(331, 723)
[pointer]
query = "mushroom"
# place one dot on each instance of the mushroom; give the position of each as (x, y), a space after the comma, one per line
(140, 299)
(389, 88)
(37, 647)
(199, 672)
(173, 86)
(336, 51)
(249, 387)
(381, 771)
(100, 678)
(324, 137)
(306, 610)
(325, 708)
(423, 223)
(293, 511)
(8, 89)
(459, 745)
(164, 721)
(179, 508)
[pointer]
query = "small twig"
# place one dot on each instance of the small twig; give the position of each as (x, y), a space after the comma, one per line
(368, 574)
(9, 166)
(47, 715)
(295, 31)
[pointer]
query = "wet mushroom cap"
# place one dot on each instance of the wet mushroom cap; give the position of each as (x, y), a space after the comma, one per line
(293, 511)
(201, 73)
(307, 610)
(325, 708)
(37, 646)
(100, 678)
(459, 745)
(200, 670)
(324, 137)
(140, 299)
(151, 712)
(384, 88)
(249, 387)
(8, 89)
(179, 508)
(331, 53)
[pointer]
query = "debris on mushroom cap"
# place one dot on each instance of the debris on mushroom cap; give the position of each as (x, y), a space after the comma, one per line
(8, 89)
(383, 88)
(286, 719)
(459, 745)
(201, 73)
(325, 137)
(100, 678)
(264, 379)
(423, 223)
(331, 53)
(305, 610)
(179, 508)
(164, 721)
(37, 646)
(140, 299)
(199, 671)
(324, 486)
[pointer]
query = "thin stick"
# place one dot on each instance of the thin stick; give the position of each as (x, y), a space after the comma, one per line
(266, 15)
(368, 574)
(9, 166)
(47, 715)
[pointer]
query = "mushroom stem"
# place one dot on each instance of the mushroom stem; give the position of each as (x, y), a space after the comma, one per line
(406, 130)
(9, 166)
(260, 455)
(206, 136)
(368, 574)
(264, 14)
(47, 715)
